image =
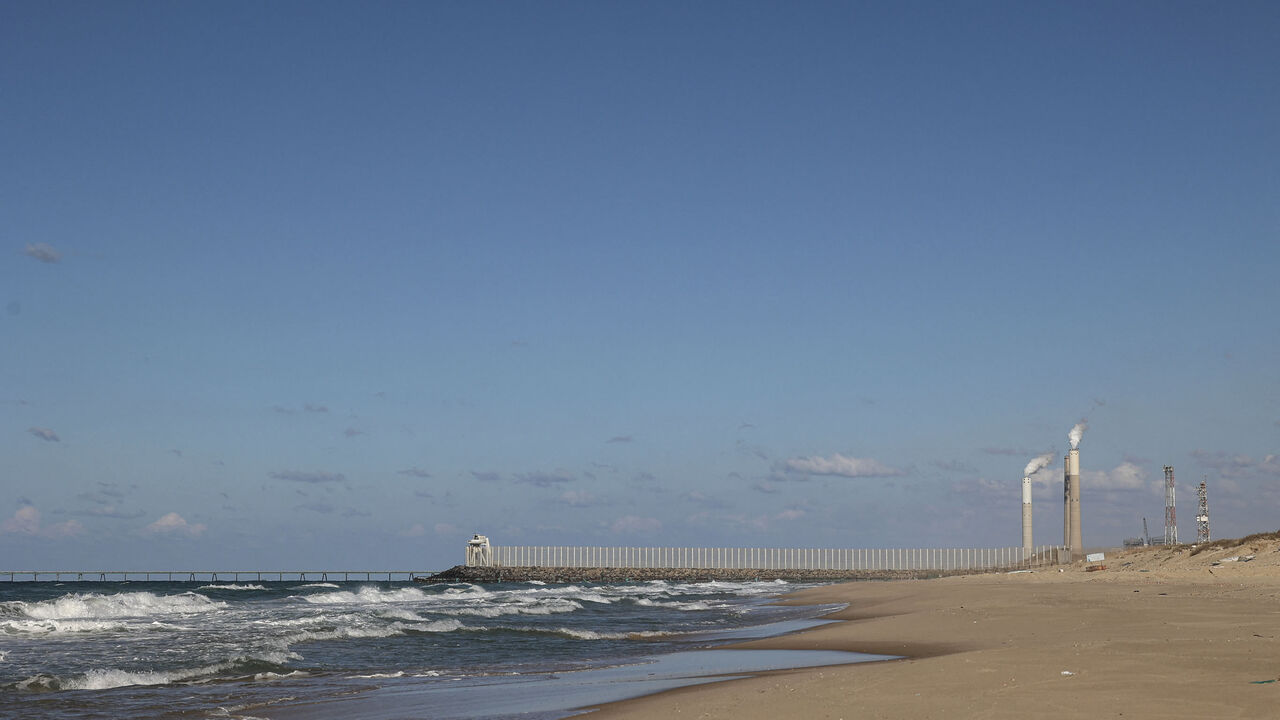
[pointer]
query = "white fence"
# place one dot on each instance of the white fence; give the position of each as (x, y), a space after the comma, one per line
(768, 558)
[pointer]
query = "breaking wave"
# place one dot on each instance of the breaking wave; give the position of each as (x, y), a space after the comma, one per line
(121, 605)
(106, 678)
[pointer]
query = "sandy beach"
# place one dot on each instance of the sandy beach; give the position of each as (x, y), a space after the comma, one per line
(1158, 633)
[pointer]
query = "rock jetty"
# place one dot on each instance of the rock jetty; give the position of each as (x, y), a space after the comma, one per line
(470, 574)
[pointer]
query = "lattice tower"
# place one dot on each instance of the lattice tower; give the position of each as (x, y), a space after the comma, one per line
(1170, 512)
(1202, 516)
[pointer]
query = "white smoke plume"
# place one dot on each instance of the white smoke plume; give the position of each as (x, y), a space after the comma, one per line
(1036, 463)
(1076, 433)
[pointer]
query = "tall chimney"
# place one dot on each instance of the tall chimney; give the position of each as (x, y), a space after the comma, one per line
(1026, 518)
(1076, 543)
(1066, 501)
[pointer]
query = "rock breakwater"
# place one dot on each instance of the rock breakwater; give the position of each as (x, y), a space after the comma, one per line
(469, 574)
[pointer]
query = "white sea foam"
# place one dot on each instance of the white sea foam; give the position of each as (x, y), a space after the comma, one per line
(675, 604)
(367, 596)
(58, 627)
(314, 585)
(596, 635)
(233, 587)
(133, 604)
(106, 678)
(397, 674)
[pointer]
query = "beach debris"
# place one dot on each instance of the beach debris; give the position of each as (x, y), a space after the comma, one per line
(1247, 558)
(1260, 682)
(1017, 572)
(1068, 672)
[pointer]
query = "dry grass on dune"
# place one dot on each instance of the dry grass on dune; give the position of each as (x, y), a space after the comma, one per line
(1254, 539)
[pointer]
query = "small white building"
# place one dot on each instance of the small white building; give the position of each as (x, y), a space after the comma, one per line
(479, 554)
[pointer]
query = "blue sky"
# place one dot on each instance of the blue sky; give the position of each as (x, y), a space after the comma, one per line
(338, 284)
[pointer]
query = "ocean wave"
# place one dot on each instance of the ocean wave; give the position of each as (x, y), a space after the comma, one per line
(675, 604)
(233, 587)
(58, 627)
(367, 596)
(354, 632)
(107, 678)
(597, 635)
(550, 606)
(314, 585)
(132, 604)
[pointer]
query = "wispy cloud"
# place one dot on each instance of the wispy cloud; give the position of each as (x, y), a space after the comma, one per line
(703, 499)
(414, 471)
(352, 432)
(43, 252)
(488, 476)
(955, 466)
(1003, 451)
(1125, 476)
(314, 477)
(577, 498)
(44, 434)
(174, 524)
(619, 439)
(1237, 466)
(628, 524)
(315, 408)
(544, 479)
(26, 521)
(109, 511)
(316, 507)
(841, 465)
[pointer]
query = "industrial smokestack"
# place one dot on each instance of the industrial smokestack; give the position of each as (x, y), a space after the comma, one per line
(1066, 501)
(1026, 518)
(1075, 541)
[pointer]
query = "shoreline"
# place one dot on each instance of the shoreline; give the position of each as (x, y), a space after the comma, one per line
(1160, 633)
(711, 656)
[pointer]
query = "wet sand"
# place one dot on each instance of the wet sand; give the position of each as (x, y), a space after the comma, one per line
(1157, 634)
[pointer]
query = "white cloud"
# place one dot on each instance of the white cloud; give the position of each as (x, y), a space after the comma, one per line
(26, 521)
(415, 530)
(175, 524)
(1125, 476)
(842, 465)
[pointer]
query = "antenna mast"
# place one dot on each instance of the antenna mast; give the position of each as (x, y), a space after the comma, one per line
(1202, 515)
(1170, 512)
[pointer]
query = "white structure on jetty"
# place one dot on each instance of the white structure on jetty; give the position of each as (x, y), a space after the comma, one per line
(479, 554)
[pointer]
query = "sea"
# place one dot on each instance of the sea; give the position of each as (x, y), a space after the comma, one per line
(375, 649)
